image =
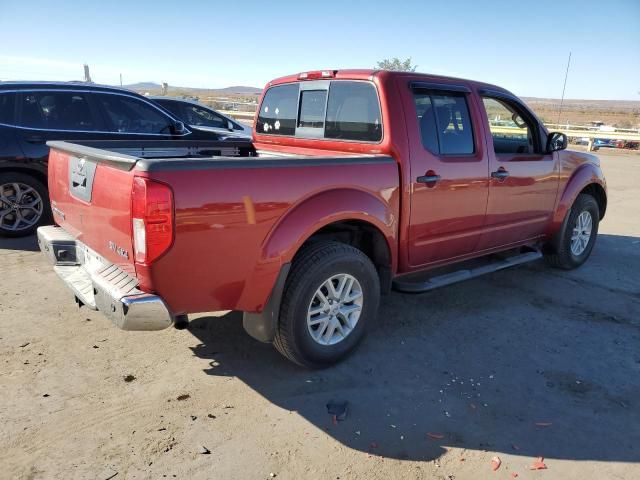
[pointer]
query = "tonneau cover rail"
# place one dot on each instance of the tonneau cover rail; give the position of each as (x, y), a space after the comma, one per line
(124, 154)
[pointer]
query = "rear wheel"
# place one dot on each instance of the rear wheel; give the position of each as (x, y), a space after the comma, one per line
(24, 204)
(575, 242)
(330, 297)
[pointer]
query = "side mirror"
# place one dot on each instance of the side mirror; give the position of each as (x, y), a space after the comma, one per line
(230, 125)
(178, 128)
(556, 141)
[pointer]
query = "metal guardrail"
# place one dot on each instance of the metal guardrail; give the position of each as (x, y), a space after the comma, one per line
(247, 117)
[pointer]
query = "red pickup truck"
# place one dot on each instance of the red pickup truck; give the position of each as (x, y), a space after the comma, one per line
(356, 182)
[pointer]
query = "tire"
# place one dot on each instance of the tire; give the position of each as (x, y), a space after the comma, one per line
(561, 253)
(15, 221)
(302, 341)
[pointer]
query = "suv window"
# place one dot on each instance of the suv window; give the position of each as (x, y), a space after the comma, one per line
(510, 132)
(195, 115)
(130, 115)
(277, 114)
(7, 107)
(445, 123)
(56, 111)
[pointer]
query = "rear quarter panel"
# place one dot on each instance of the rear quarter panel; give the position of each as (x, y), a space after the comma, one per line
(235, 227)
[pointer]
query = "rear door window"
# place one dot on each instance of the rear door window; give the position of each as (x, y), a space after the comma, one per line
(339, 109)
(56, 111)
(444, 121)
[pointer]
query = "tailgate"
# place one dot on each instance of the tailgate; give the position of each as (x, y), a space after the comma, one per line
(91, 199)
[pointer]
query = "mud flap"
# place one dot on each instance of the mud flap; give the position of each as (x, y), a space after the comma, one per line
(262, 326)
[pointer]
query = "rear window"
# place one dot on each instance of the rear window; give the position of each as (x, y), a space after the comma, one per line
(341, 110)
(278, 111)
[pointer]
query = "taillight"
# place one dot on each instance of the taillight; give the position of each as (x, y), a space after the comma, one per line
(152, 219)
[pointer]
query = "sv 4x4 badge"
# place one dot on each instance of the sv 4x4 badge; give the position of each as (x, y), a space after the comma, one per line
(119, 250)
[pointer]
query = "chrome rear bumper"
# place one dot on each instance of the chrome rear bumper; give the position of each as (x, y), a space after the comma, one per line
(101, 285)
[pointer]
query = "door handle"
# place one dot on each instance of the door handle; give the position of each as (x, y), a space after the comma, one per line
(429, 178)
(501, 174)
(35, 139)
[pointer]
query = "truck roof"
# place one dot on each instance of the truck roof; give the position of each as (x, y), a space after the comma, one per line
(369, 74)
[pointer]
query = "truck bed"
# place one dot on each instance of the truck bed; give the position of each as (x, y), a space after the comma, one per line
(235, 210)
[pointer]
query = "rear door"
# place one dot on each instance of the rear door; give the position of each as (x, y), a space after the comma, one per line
(44, 115)
(449, 172)
(524, 178)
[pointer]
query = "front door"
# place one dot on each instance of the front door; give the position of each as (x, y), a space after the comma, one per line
(523, 177)
(449, 174)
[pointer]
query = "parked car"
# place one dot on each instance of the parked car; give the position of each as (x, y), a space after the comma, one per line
(32, 113)
(359, 181)
(201, 117)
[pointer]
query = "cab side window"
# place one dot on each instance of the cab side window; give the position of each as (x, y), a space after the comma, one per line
(510, 132)
(444, 121)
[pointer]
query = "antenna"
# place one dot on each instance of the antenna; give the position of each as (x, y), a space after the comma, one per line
(566, 74)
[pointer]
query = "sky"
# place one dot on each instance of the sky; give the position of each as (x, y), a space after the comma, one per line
(520, 45)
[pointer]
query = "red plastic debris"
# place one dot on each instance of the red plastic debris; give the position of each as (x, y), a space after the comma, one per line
(538, 464)
(373, 445)
(435, 436)
(495, 463)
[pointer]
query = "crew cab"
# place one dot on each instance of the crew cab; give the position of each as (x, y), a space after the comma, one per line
(32, 113)
(356, 182)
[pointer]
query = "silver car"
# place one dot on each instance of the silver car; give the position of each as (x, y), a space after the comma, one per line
(201, 117)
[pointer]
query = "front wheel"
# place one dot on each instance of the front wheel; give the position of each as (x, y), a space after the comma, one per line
(575, 242)
(24, 204)
(330, 297)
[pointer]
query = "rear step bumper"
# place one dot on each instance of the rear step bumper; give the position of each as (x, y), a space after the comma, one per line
(101, 285)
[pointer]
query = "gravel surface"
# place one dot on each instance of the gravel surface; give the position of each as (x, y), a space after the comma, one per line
(521, 364)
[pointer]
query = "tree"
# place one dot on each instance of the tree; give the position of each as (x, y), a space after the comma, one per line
(397, 65)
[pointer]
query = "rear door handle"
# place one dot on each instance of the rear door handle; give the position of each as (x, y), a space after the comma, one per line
(35, 139)
(428, 179)
(501, 174)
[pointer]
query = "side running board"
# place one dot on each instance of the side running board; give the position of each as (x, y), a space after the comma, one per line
(419, 286)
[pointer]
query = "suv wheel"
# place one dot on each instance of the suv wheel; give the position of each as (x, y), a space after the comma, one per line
(332, 293)
(578, 236)
(24, 204)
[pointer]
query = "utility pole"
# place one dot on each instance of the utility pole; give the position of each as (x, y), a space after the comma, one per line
(566, 74)
(120, 79)
(87, 76)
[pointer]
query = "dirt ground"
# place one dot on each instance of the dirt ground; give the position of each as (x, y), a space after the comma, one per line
(519, 364)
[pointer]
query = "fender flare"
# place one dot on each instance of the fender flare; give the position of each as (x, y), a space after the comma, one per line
(587, 174)
(291, 232)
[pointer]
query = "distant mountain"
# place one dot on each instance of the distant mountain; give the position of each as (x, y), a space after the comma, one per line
(238, 89)
(143, 86)
(241, 90)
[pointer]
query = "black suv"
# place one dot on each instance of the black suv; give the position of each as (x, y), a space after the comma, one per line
(32, 113)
